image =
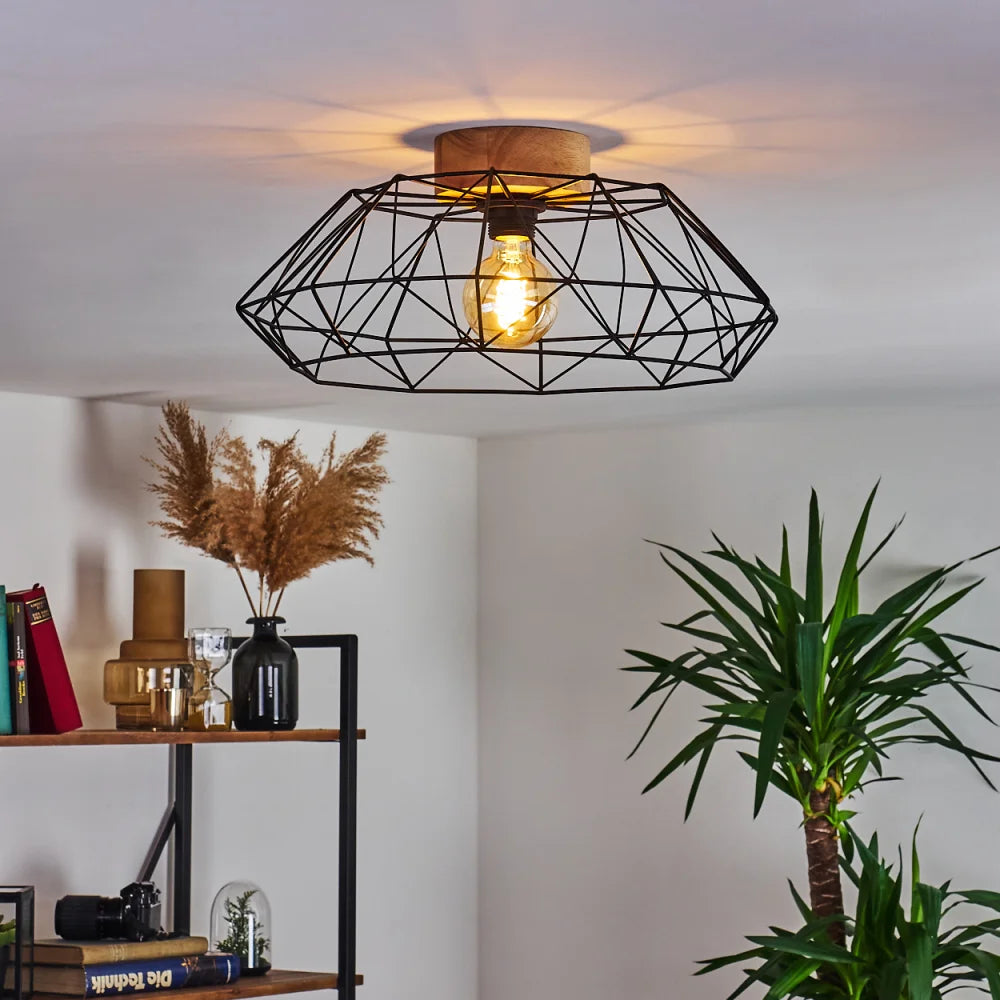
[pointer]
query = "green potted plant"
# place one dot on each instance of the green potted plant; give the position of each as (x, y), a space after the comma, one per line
(891, 954)
(813, 695)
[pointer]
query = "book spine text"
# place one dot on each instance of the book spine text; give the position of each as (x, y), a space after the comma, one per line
(17, 644)
(117, 978)
(6, 708)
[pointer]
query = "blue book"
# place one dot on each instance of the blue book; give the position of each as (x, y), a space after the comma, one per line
(110, 979)
(6, 718)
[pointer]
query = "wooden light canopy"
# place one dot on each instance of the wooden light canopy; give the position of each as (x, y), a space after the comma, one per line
(551, 154)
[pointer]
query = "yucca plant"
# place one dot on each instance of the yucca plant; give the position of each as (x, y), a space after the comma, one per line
(818, 693)
(890, 956)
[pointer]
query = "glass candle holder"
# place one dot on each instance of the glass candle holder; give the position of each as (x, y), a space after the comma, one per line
(169, 690)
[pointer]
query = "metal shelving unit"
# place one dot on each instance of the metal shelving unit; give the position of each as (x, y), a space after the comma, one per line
(175, 828)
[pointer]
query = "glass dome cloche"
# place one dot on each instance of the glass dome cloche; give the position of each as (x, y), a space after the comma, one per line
(241, 925)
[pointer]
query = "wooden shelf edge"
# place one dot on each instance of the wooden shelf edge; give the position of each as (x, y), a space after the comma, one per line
(277, 981)
(132, 737)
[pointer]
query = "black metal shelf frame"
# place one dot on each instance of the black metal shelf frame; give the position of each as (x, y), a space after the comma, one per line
(175, 827)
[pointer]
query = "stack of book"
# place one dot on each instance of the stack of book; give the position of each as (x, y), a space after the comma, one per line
(36, 694)
(111, 968)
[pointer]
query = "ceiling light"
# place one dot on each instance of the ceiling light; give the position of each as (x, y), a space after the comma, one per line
(384, 292)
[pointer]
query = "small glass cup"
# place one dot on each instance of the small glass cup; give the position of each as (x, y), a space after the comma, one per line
(169, 692)
(210, 650)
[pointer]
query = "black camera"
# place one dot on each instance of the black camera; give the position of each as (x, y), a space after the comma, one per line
(133, 915)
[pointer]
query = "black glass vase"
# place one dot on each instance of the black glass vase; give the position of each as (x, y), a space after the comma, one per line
(265, 679)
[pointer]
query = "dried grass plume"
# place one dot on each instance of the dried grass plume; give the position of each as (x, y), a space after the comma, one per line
(299, 517)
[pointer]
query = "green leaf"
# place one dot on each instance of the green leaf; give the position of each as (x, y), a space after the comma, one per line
(814, 563)
(724, 617)
(931, 899)
(982, 897)
(777, 779)
(890, 980)
(809, 641)
(688, 753)
(988, 964)
(655, 716)
(711, 964)
(770, 739)
(697, 674)
(970, 642)
(918, 965)
(795, 945)
(722, 586)
(881, 545)
(853, 777)
(786, 566)
(796, 974)
(700, 771)
(791, 605)
(936, 610)
(846, 600)
(951, 741)
(802, 906)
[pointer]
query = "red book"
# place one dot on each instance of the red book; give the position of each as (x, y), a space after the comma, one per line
(52, 703)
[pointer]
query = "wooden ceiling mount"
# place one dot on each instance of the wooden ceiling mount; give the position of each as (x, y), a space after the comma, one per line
(552, 153)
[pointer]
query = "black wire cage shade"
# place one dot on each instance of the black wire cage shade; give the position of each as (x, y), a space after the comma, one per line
(371, 296)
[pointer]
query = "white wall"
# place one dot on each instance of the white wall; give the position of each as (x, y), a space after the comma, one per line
(73, 515)
(585, 885)
(587, 888)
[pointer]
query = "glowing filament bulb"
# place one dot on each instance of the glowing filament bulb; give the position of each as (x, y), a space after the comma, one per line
(515, 296)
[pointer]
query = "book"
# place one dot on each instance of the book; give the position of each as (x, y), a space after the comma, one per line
(6, 718)
(56, 951)
(52, 704)
(17, 640)
(107, 979)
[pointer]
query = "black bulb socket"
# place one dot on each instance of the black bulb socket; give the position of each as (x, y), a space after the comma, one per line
(512, 218)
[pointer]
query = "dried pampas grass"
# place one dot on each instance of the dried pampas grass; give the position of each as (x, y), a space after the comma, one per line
(301, 516)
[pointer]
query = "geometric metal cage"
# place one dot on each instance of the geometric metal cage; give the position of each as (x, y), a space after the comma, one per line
(371, 295)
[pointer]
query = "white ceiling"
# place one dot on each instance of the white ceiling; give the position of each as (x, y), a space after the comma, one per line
(158, 155)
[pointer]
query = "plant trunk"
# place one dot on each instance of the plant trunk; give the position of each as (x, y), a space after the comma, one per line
(823, 854)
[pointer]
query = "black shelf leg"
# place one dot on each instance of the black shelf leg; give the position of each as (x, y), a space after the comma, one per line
(181, 760)
(162, 838)
(348, 860)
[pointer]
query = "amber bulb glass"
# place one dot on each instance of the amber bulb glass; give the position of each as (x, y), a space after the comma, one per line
(514, 293)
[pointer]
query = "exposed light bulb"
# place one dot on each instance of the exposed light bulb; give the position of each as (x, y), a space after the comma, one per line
(515, 295)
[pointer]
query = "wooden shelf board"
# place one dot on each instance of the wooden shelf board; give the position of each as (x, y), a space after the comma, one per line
(275, 982)
(121, 737)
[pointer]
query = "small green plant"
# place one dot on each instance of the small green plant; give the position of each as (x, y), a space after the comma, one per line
(890, 955)
(8, 931)
(242, 939)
